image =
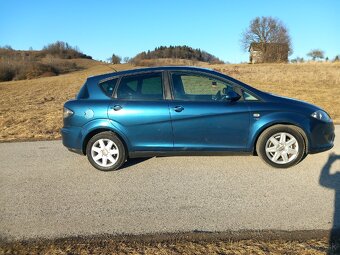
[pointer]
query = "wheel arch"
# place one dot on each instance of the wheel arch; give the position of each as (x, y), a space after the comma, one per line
(95, 131)
(293, 125)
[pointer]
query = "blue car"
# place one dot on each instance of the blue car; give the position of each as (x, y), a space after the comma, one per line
(166, 111)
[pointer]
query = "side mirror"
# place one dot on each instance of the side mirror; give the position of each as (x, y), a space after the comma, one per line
(231, 96)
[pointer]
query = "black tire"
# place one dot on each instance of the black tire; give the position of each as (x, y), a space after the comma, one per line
(275, 131)
(119, 158)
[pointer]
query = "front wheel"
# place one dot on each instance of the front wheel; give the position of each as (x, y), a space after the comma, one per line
(281, 146)
(105, 151)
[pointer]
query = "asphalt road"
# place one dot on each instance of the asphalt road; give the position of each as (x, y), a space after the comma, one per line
(47, 191)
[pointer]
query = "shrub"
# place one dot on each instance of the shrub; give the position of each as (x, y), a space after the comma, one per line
(7, 72)
(20, 65)
(64, 50)
(21, 70)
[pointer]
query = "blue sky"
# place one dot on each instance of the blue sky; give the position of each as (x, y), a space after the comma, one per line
(100, 28)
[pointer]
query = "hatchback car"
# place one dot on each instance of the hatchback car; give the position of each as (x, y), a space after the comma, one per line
(167, 111)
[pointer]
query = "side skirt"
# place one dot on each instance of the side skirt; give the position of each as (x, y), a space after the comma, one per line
(142, 154)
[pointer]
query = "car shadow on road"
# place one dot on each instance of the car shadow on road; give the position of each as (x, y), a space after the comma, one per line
(332, 181)
(132, 162)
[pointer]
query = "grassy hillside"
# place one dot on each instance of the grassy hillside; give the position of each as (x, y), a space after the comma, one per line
(32, 109)
(31, 64)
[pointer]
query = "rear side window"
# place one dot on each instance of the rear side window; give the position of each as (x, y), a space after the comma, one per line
(108, 86)
(143, 86)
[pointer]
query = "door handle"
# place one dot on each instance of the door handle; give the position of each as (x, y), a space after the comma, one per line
(117, 107)
(178, 108)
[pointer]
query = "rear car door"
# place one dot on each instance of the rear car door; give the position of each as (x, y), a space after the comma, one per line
(201, 118)
(140, 111)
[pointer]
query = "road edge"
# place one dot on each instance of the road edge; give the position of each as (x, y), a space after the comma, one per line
(195, 236)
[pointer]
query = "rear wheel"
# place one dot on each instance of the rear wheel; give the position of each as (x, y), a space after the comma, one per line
(281, 146)
(105, 151)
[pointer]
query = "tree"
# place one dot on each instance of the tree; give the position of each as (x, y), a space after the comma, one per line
(115, 59)
(314, 54)
(337, 58)
(6, 47)
(63, 50)
(126, 59)
(266, 30)
(177, 52)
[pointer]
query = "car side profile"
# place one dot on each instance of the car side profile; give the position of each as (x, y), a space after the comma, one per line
(165, 111)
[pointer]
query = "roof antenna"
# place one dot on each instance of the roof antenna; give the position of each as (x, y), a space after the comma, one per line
(108, 65)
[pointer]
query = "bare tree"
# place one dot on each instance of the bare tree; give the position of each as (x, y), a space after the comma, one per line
(126, 59)
(316, 54)
(115, 59)
(266, 30)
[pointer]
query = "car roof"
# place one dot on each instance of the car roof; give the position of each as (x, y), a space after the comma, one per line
(149, 69)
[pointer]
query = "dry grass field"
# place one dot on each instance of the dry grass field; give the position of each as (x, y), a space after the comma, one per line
(32, 109)
(108, 246)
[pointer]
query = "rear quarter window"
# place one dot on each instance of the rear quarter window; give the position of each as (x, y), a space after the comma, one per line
(108, 86)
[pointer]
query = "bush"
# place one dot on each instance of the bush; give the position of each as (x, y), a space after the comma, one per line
(7, 73)
(64, 50)
(20, 65)
(21, 70)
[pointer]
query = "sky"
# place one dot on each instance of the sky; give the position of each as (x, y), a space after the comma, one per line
(127, 27)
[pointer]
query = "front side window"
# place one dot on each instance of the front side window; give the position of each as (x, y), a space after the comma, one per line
(196, 87)
(249, 97)
(143, 86)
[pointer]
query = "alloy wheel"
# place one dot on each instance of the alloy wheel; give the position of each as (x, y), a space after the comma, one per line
(282, 148)
(105, 152)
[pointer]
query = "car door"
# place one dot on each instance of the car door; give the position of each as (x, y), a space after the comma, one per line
(202, 117)
(141, 113)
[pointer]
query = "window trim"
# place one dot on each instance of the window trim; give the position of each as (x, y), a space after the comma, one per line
(236, 86)
(115, 96)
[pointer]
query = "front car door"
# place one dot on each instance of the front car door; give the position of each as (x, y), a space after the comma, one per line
(140, 111)
(201, 117)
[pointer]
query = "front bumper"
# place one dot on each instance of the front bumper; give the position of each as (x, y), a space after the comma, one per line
(321, 137)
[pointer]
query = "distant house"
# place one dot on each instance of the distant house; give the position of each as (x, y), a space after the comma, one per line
(268, 52)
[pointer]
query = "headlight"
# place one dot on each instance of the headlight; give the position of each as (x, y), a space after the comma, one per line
(321, 115)
(67, 113)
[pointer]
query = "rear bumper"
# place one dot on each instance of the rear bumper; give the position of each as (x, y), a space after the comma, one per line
(72, 138)
(322, 136)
